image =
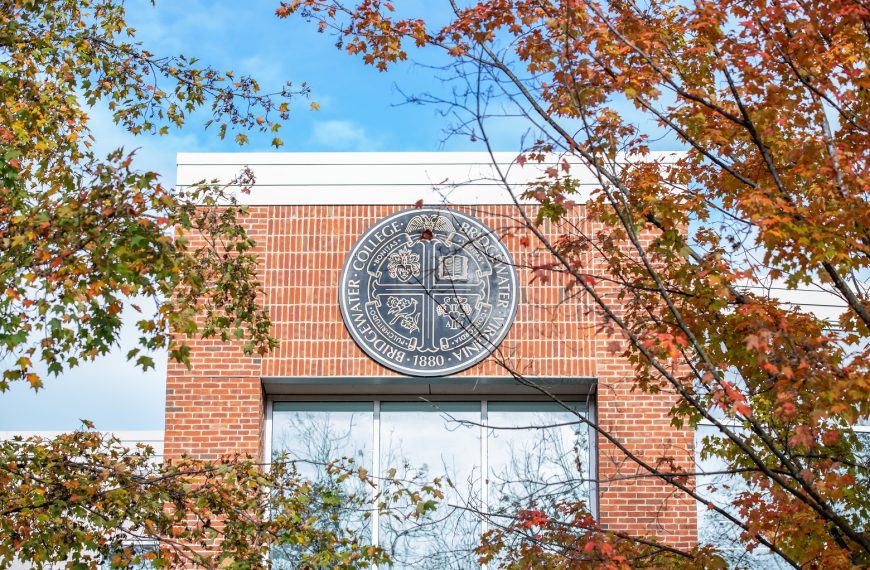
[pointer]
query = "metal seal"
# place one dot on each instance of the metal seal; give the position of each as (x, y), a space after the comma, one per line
(428, 292)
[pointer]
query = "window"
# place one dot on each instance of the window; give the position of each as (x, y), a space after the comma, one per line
(139, 548)
(722, 489)
(529, 451)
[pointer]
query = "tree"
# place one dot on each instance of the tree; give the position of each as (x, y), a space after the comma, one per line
(82, 235)
(768, 98)
(86, 500)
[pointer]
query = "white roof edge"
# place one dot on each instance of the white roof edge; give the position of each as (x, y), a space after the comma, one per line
(363, 158)
(386, 178)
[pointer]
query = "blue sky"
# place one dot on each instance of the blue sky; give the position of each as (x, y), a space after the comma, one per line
(360, 110)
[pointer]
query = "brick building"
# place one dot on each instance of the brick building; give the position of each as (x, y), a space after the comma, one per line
(320, 393)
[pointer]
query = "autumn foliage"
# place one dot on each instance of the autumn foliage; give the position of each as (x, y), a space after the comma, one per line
(768, 100)
(84, 234)
(86, 500)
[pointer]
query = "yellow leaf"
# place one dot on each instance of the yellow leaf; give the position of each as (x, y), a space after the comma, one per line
(34, 380)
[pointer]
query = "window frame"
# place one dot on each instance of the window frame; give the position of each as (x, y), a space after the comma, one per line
(376, 397)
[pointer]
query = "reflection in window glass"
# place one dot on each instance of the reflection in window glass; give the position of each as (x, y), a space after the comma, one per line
(545, 461)
(312, 434)
(536, 453)
(862, 458)
(426, 441)
(715, 529)
(138, 549)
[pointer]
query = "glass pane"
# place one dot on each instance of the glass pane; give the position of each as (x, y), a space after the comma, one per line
(424, 441)
(312, 434)
(138, 549)
(862, 459)
(538, 455)
(723, 489)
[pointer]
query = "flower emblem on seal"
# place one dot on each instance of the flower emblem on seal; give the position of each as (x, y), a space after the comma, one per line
(406, 310)
(403, 264)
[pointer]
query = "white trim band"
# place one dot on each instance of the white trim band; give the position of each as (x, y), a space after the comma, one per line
(383, 178)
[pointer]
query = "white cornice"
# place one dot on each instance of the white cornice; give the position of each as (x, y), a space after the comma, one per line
(371, 178)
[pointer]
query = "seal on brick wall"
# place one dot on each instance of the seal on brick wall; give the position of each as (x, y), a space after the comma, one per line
(428, 292)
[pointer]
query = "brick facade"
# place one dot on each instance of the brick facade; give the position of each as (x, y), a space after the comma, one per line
(217, 407)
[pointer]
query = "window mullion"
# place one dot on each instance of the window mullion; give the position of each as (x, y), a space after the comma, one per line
(376, 470)
(484, 468)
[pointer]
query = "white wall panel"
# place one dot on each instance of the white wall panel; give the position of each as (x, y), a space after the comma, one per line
(380, 178)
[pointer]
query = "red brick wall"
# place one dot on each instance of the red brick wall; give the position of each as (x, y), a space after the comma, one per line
(217, 407)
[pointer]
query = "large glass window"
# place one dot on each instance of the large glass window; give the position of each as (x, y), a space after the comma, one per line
(429, 441)
(538, 454)
(312, 434)
(717, 485)
(494, 457)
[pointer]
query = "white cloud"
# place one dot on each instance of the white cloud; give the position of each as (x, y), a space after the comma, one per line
(342, 135)
(171, 26)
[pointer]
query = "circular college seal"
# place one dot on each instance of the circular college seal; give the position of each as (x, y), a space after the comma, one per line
(428, 292)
